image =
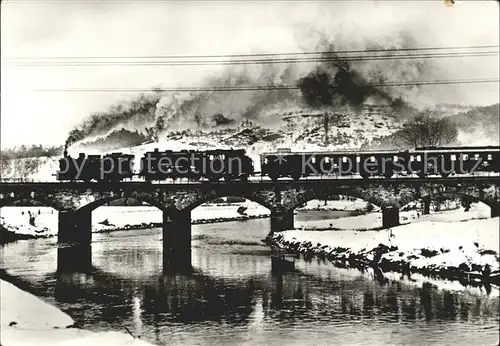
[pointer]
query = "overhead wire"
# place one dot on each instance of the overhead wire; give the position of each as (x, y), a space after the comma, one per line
(374, 50)
(255, 61)
(255, 58)
(263, 87)
(260, 58)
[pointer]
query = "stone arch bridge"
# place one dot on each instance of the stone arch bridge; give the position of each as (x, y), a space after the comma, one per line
(75, 201)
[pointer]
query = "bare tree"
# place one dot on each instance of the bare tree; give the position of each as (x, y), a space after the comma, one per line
(24, 168)
(5, 167)
(428, 129)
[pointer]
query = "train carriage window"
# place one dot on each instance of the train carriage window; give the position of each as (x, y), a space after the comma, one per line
(490, 157)
(412, 158)
(358, 159)
(327, 159)
(465, 157)
(476, 156)
(211, 157)
(419, 158)
(453, 157)
(395, 158)
(372, 158)
(313, 160)
(344, 159)
(266, 160)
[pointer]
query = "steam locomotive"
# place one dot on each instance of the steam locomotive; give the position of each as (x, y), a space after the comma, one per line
(195, 165)
(235, 165)
(109, 167)
(158, 165)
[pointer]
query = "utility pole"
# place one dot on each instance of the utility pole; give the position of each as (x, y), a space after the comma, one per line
(326, 124)
(327, 142)
(325, 119)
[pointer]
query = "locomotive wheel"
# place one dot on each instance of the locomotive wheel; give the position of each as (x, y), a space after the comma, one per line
(295, 176)
(364, 175)
(274, 176)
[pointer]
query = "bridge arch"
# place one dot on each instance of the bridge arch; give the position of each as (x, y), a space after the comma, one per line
(103, 201)
(319, 194)
(215, 194)
(450, 194)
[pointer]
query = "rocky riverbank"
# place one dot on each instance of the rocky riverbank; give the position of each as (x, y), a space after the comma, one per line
(467, 251)
(105, 228)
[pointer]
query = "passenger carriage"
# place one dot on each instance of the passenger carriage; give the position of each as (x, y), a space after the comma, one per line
(236, 165)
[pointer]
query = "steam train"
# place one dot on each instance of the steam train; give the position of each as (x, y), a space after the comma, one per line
(109, 167)
(235, 165)
(195, 165)
(424, 161)
(158, 165)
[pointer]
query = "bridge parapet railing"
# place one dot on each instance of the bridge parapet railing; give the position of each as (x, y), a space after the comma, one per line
(261, 178)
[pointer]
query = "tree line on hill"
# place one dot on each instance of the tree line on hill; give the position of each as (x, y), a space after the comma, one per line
(23, 161)
(34, 150)
(431, 128)
(122, 138)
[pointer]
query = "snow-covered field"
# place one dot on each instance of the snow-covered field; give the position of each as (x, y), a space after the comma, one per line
(374, 220)
(356, 204)
(28, 320)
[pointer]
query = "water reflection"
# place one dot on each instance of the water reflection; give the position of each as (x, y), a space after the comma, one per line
(76, 259)
(153, 306)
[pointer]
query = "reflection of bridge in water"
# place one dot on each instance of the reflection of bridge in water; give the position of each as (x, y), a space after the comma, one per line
(106, 299)
(75, 201)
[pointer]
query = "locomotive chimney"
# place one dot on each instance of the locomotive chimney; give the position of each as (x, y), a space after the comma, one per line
(65, 153)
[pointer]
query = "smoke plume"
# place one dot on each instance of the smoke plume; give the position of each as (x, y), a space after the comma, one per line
(341, 81)
(128, 115)
(202, 109)
(336, 83)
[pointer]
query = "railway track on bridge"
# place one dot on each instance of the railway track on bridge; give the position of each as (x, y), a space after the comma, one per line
(253, 182)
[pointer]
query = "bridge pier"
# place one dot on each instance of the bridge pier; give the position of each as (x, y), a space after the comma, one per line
(281, 220)
(75, 227)
(427, 205)
(390, 217)
(495, 210)
(177, 241)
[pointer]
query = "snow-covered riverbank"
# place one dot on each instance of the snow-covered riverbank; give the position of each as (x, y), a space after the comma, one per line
(28, 320)
(373, 220)
(14, 221)
(453, 245)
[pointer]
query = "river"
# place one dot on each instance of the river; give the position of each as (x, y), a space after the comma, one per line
(233, 298)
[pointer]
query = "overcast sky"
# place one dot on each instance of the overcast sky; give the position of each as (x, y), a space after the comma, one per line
(132, 28)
